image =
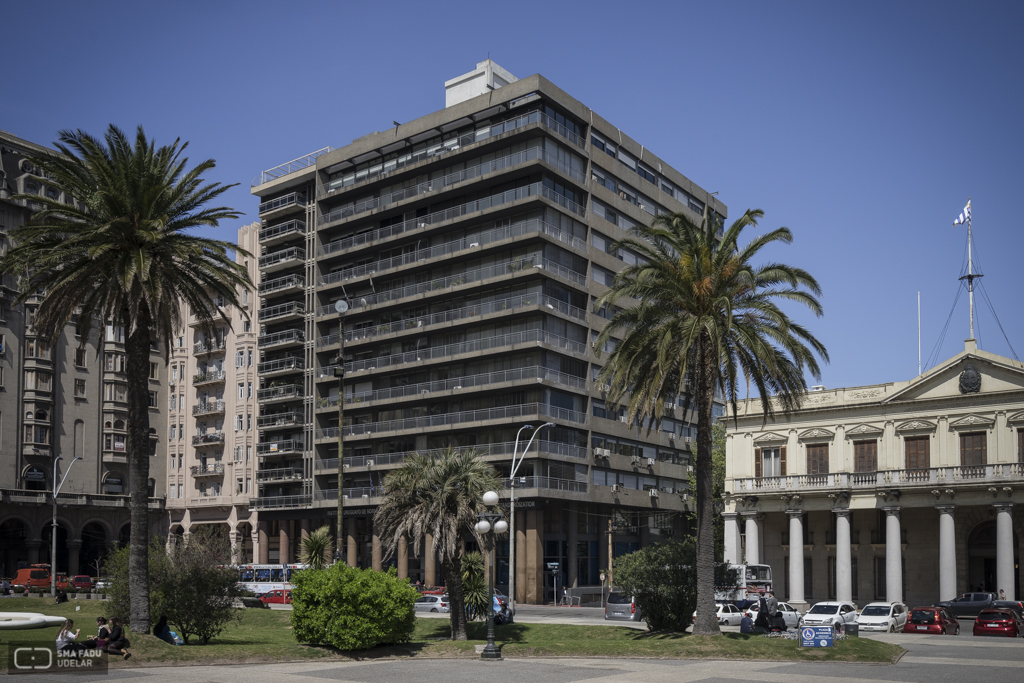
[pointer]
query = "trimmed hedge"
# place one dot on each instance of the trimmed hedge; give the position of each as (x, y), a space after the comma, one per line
(352, 609)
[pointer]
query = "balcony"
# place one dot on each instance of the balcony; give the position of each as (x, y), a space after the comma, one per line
(484, 450)
(998, 473)
(282, 339)
(276, 420)
(281, 393)
(221, 316)
(210, 501)
(294, 199)
(208, 407)
(292, 256)
(208, 470)
(209, 377)
(279, 474)
(549, 483)
(273, 448)
(280, 366)
(282, 284)
(281, 232)
(208, 439)
(281, 312)
(277, 502)
(209, 346)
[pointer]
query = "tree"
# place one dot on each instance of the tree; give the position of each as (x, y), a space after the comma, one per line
(717, 484)
(120, 254)
(474, 586)
(439, 496)
(700, 314)
(317, 548)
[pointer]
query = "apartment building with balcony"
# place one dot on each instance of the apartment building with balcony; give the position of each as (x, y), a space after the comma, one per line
(213, 424)
(468, 247)
(63, 400)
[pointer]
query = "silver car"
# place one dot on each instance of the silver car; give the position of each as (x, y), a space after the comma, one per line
(621, 606)
(432, 603)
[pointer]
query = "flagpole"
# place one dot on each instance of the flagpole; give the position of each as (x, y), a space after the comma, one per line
(919, 333)
(970, 270)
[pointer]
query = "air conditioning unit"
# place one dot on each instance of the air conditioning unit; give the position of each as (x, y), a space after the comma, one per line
(170, 382)
(615, 488)
(650, 462)
(474, 244)
(653, 493)
(345, 466)
(369, 463)
(635, 459)
(687, 440)
(623, 419)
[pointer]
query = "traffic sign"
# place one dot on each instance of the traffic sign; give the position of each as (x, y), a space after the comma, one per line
(816, 636)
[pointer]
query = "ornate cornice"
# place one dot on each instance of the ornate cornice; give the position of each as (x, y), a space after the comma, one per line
(971, 421)
(816, 433)
(916, 425)
(770, 437)
(864, 429)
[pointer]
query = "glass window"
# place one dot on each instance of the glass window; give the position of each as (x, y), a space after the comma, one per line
(79, 388)
(817, 458)
(771, 462)
(917, 452)
(973, 451)
(865, 456)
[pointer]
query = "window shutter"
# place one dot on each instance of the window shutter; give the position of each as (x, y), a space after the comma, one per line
(782, 461)
(757, 463)
(983, 437)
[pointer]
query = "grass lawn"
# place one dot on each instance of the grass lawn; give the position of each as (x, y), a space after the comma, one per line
(265, 635)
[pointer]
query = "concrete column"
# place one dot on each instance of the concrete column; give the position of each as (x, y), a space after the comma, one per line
(1004, 549)
(573, 555)
(33, 545)
(304, 529)
(351, 536)
(535, 557)
(264, 542)
(844, 560)
(732, 538)
(893, 555)
(75, 544)
(521, 556)
(753, 545)
(376, 553)
(947, 552)
(284, 538)
(403, 558)
(429, 562)
(796, 559)
(235, 541)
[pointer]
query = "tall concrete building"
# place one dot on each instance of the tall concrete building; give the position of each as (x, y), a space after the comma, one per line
(211, 463)
(469, 247)
(63, 401)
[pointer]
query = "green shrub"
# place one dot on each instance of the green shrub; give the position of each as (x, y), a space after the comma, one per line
(474, 587)
(352, 609)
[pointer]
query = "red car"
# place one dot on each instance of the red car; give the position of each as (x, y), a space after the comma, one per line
(932, 620)
(81, 582)
(998, 622)
(278, 597)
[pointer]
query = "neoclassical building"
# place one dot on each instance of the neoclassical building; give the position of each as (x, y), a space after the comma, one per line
(900, 491)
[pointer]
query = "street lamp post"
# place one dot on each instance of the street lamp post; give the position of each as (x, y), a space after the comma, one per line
(490, 523)
(512, 511)
(341, 306)
(53, 528)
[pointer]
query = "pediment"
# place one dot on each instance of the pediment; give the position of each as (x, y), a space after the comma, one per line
(1016, 418)
(816, 433)
(863, 429)
(916, 426)
(770, 438)
(969, 421)
(965, 375)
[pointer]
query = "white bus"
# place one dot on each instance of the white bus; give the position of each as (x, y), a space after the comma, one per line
(750, 580)
(261, 578)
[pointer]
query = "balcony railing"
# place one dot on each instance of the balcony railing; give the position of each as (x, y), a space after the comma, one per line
(273, 231)
(208, 346)
(483, 450)
(275, 502)
(445, 419)
(286, 282)
(474, 346)
(282, 310)
(209, 469)
(293, 165)
(279, 419)
(499, 233)
(352, 492)
(282, 337)
(291, 253)
(209, 438)
(281, 202)
(549, 483)
(209, 376)
(280, 447)
(999, 472)
(280, 365)
(286, 391)
(279, 474)
(208, 407)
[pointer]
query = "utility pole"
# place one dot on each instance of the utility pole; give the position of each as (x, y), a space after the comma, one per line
(341, 306)
(610, 584)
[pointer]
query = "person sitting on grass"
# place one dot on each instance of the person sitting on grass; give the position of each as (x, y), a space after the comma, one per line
(118, 644)
(778, 623)
(66, 639)
(163, 631)
(746, 624)
(102, 634)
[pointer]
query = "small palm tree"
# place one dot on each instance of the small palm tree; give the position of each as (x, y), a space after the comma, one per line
(474, 586)
(121, 253)
(703, 313)
(317, 549)
(439, 496)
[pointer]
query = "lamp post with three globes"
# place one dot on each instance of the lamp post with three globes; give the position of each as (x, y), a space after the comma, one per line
(491, 522)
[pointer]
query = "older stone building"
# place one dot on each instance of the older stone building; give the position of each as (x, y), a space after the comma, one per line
(899, 491)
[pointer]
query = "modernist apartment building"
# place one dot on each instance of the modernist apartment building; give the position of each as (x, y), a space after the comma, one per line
(468, 247)
(900, 491)
(67, 400)
(212, 418)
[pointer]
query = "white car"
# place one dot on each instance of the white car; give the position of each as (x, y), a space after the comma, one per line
(889, 617)
(728, 614)
(432, 603)
(831, 613)
(789, 613)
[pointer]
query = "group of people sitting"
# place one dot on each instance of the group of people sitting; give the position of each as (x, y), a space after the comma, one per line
(769, 618)
(109, 637)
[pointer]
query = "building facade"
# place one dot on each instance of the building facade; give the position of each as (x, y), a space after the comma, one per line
(901, 492)
(468, 247)
(58, 403)
(213, 423)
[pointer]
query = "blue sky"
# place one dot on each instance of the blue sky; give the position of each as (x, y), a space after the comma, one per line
(862, 127)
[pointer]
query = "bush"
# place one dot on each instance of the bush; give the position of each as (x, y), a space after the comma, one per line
(474, 587)
(352, 609)
(663, 579)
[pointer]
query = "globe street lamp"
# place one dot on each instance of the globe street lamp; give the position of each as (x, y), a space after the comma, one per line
(491, 522)
(512, 510)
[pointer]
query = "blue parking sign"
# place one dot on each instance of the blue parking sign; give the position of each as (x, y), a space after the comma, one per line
(816, 636)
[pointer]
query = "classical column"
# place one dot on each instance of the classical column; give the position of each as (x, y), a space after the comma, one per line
(796, 558)
(33, 545)
(732, 538)
(844, 562)
(264, 542)
(75, 544)
(753, 549)
(403, 558)
(947, 552)
(893, 555)
(353, 552)
(429, 562)
(284, 542)
(376, 554)
(1004, 549)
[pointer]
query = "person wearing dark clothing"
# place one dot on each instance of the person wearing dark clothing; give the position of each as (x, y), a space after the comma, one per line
(773, 604)
(762, 619)
(779, 622)
(162, 631)
(62, 596)
(117, 643)
(746, 624)
(102, 635)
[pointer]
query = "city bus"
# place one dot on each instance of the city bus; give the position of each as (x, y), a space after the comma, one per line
(750, 580)
(261, 578)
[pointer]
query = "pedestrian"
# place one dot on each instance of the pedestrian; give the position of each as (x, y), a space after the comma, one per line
(773, 604)
(66, 639)
(6, 587)
(163, 631)
(117, 643)
(762, 621)
(1002, 595)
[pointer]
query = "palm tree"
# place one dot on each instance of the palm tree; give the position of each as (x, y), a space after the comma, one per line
(120, 254)
(317, 548)
(701, 313)
(440, 496)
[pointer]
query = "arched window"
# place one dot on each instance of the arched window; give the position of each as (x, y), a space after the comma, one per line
(41, 415)
(118, 424)
(113, 483)
(35, 479)
(151, 487)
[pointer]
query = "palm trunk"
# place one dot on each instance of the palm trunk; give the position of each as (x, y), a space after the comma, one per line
(137, 352)
(456, 600)
(706, 623)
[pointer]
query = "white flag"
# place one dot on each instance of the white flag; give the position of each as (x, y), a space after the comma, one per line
(965, 215)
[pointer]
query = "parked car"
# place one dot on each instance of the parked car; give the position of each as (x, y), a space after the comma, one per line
(621, 606)
(1015, 605)
(998, 622)
(36, 576)
(432, 603)
(277, 597)
(789, 613)
(889, 617)
(81, 582)
(101, 583)
(834, 613)
(728, 614)
(436, 590)
(932, 620)
(968, 604)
